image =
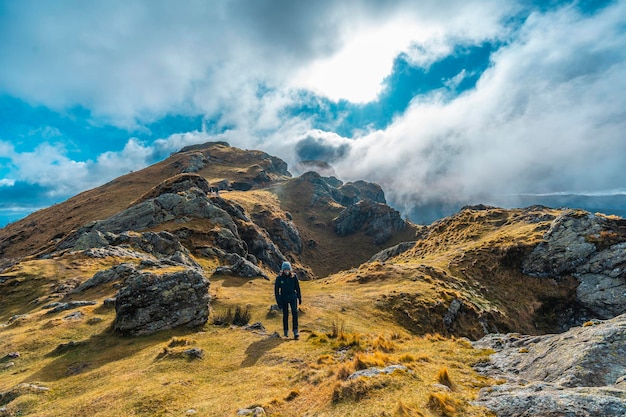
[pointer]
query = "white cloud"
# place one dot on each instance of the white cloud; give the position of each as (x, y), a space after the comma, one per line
(136, 61)
(549, 115)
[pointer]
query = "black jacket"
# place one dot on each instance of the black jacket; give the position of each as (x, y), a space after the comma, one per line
(287, 288)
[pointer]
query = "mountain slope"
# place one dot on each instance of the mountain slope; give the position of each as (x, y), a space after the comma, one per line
(386, 304)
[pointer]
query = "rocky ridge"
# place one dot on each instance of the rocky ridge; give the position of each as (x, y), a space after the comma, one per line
(183, 219)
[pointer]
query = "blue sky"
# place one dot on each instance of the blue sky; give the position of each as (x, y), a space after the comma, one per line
(455, 102)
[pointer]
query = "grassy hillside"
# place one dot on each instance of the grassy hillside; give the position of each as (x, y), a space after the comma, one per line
(91, 371)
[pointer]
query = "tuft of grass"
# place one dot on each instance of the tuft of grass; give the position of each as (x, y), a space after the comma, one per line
(240, 317)
(179, 342)
(407, 358)
(345, 371)
(403, 410)
(223, 318)
(443, 404)
(443, 376)
(370, 360)
(356, 389)
(292, 395)
(337, 330)
(382, 344)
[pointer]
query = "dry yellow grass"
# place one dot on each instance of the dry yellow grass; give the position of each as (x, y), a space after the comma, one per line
(102, 374)
(357, 316)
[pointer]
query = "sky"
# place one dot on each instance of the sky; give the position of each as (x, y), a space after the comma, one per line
(442, 103)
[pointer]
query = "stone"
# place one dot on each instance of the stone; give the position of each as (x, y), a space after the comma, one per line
(76, 315)
(149, 303)
(282, 230)
(252, 412)
(21, 389)
(257, 326)
(452, 312)
(57, 307)
(371, 372)
(576, 371)
(542, 399)
(194, 353)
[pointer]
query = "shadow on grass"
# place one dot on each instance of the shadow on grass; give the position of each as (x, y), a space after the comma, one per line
(259, 348)
(230, 281)
(99, 350)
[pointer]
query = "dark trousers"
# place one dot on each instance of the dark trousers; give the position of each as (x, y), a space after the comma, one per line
(294, 313)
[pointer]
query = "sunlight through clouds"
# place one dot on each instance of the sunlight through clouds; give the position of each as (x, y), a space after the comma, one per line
(356, 72)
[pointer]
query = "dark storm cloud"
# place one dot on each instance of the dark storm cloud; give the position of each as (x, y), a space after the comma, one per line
(320, 149)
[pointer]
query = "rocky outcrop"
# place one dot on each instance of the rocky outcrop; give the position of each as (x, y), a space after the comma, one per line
(353, 192)
(282, 230)
(149, 303)
(118, 273)
(592, 248)
(580, 371)
(376, 220)
(241, 267)
(392, 252)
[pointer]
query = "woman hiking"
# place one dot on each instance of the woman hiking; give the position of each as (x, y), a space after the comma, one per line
(287, 293)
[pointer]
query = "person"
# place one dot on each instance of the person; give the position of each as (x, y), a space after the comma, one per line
(287, 293)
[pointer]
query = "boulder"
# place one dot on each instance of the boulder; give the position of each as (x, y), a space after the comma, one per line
(149, 303)
(578, 371)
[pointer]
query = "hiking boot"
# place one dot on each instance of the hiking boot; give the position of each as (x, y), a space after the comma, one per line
(296, 335)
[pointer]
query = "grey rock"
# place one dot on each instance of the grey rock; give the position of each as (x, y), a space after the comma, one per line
(392, 252)
(371, 372)
(194, 353)
(257, 326)
(353, 192)
(21, 389)
(575, 371)
(282, 231)
(242, 268)
(117, 273)
(453, 311)
(564, 246)
(197, 161)
(603, 295)
(76, 315)
(544, 399)
(252, 412)
(59, 306)
(150, 303)
(591, 248)
(376, 219)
